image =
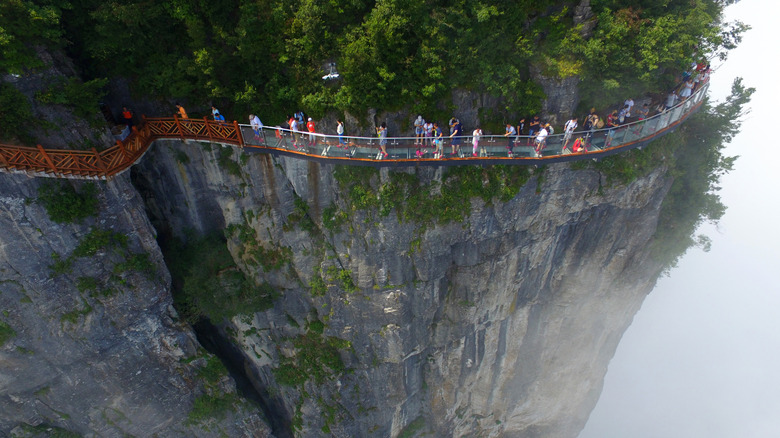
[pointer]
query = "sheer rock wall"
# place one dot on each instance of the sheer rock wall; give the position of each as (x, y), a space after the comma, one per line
(502, 325)
(108, 361)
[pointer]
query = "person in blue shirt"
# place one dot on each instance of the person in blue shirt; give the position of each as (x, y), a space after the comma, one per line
(455, 136)
(438, 141)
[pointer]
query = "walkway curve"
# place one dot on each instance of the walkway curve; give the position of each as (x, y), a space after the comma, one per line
(65, 163)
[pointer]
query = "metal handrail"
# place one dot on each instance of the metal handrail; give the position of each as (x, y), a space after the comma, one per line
(348, 149)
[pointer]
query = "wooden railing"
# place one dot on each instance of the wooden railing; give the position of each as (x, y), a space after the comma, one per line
(62, 163)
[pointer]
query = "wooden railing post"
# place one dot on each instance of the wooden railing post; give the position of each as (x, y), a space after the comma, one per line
(47, 158)
(178, 126)
(208, 129)
(100, 162)
(121, 148)
(238, 134)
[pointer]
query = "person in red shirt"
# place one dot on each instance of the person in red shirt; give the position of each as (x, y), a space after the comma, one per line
(312, 137)
(127, 117)
(579, 146)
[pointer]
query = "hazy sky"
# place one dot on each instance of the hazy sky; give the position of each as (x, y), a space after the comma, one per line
(702, 357)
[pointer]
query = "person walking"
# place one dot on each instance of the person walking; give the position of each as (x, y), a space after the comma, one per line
(541, 140)
(568, 130)
(510, 133)
(475, 141)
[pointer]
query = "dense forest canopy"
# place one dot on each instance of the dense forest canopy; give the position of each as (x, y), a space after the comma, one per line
(269, 56)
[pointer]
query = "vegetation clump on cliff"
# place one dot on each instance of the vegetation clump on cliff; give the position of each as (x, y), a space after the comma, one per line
(431, 203)
(65, 204)
(208, 283)
(6, 333)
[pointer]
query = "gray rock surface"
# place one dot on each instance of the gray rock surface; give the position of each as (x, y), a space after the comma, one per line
(105, 361)
(502, 325)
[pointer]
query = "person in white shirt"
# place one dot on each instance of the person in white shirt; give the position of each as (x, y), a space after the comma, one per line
(475, 141)
(511, 133)
(630, 104)
(257, 125)
(541, 140)
(568, 129)
(340, 132)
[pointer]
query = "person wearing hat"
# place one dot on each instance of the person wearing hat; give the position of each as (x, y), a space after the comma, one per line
(419, 129)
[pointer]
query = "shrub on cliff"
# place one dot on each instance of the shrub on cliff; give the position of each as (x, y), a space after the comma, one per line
(207, 282)
(65, 204)
(6, 333)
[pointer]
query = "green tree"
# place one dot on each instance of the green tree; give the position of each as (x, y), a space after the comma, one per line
(24, 24)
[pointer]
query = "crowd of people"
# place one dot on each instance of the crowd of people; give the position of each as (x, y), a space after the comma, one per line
(428, 134)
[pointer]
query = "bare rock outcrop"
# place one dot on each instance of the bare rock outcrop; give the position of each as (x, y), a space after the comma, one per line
(95, 346)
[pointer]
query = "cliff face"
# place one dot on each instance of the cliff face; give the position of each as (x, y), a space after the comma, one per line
(499, 325)
(93, 345)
